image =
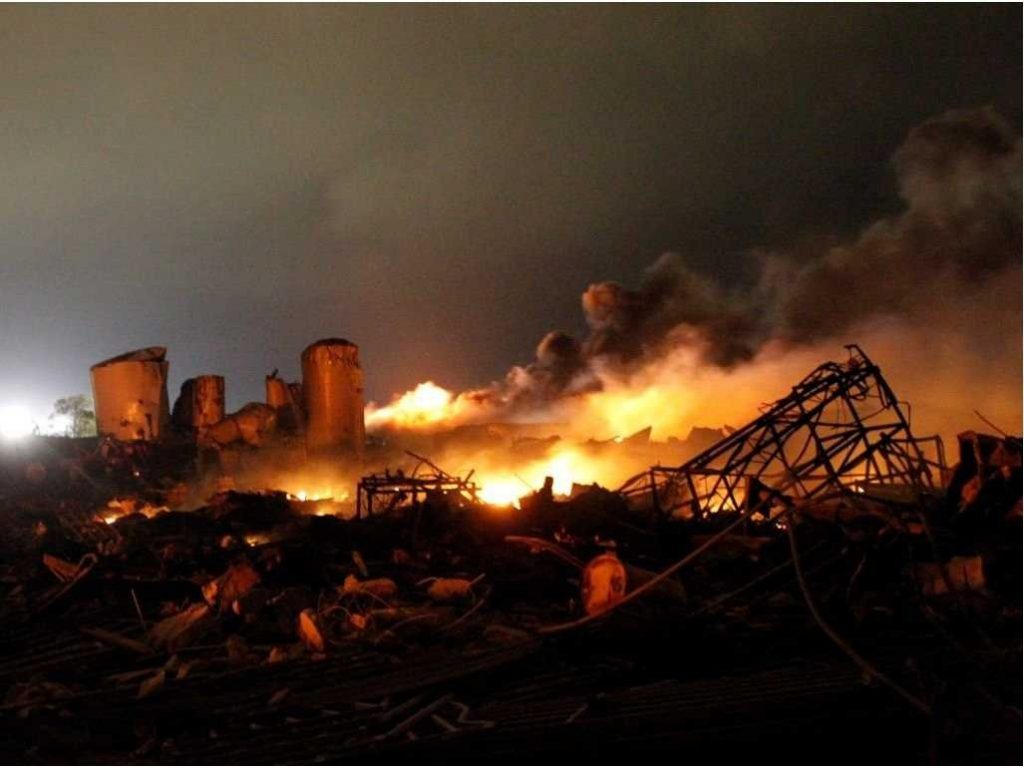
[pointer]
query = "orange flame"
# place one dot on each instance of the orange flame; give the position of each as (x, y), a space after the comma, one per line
(323, 502)
(320, 494)
(504, 486)
(118, 508)
(427, 405)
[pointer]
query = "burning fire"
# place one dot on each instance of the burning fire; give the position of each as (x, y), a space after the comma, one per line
(671, 394)
(313, 490)
(322, 494)
(503, 492)
(118, 508)
(566, 467)
(323, 502)
(621, 409)
(427, 405)
(622, 406)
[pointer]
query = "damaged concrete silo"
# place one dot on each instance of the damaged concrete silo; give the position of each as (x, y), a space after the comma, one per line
(200, 403)
(281, 397)
(130, 393)
(332, 384)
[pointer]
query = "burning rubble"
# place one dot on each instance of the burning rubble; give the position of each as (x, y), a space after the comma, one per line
(269, 585)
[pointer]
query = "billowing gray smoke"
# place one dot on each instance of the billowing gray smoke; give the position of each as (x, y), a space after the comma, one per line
(559, 363)
(959, 179)
(674, 304)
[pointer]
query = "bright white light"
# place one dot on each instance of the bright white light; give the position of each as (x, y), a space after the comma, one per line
(15, 422)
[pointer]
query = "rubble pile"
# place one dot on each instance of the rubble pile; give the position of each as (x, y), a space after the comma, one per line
(721, 611)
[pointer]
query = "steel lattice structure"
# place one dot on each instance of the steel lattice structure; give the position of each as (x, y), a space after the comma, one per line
(840, 429)
(383, 492)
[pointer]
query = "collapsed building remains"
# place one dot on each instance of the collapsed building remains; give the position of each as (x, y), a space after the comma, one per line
(382, 492)
(325, 410)
(812, 576)
(200, 403)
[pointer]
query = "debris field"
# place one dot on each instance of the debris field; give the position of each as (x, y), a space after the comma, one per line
(821, 585)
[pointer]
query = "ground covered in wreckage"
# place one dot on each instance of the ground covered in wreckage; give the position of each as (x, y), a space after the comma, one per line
(249, 631)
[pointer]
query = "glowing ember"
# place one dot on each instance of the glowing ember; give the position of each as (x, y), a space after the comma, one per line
(322, 494)
(118, 508)
(322, 502)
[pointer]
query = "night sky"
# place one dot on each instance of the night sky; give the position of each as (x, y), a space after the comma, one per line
(437, 183)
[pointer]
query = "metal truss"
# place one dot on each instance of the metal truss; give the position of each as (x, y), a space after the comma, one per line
(840, 429)
(384, 491)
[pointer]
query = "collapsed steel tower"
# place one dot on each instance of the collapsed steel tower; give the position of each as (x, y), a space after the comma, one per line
(840, 429)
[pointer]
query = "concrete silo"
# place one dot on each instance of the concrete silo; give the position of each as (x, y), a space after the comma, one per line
(130, 393)
(332, 386)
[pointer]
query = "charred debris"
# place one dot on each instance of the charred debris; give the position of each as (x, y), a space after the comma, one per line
(820, 579)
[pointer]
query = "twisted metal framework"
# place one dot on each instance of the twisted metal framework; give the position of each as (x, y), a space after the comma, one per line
(384, 491)
(840, 429)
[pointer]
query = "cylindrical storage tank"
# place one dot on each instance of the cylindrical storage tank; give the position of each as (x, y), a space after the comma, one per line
(130, 393)
(332, 388)
(201, 402)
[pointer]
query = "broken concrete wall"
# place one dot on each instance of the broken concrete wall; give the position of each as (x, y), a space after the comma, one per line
(200, 403)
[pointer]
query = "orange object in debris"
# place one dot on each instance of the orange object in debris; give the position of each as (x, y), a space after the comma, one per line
(450, 590)
(332, 385)
(309, 632)
(385, 589)
(603, 584)
(237, 581)
(200, 403)
(962, 574)
(130, 392)
(62, 569)
(182, 629)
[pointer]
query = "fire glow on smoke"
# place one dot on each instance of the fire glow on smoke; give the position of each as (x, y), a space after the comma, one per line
(928, 290)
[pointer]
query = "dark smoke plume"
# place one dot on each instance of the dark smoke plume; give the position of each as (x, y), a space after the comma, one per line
(959, 178)
(626, 325)
(935, 287)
